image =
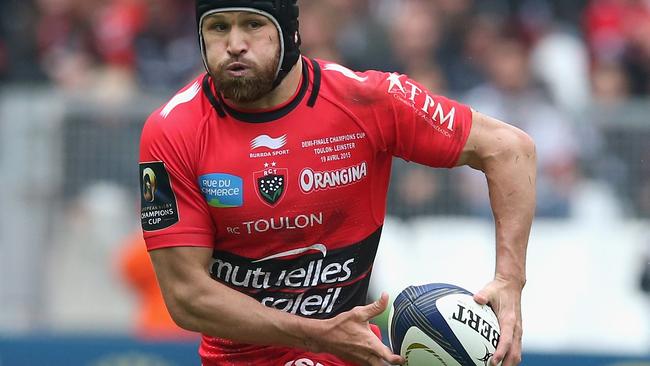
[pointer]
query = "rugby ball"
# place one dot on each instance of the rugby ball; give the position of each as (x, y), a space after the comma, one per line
(441, 324)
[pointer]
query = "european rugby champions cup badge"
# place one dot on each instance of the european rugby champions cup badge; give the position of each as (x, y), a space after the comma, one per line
(159, 209)
(271, 183)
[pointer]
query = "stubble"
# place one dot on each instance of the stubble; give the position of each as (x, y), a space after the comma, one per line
(246, 89)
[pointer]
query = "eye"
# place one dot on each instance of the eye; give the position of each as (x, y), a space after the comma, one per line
(220, 27)
(254, 24)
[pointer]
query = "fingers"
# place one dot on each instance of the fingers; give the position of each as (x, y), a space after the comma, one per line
(374, 352)
(481, 297)
(386, 355)
(505, 300)
(507, 325)
(364, 346)
(395, 359)
(513, 355)
(383, 353)
(509, 349)
(376, 308)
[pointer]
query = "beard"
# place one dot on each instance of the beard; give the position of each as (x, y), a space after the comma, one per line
(246, 89)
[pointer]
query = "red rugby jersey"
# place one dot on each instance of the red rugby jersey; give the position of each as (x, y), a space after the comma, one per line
(292, 200)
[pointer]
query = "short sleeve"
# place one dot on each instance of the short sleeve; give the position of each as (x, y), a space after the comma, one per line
(173, 211)
(417, 125)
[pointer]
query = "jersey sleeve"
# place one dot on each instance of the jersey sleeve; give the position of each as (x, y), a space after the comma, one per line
(417, 125)
(173, 211)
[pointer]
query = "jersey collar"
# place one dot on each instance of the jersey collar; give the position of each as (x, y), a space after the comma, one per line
(223, 109)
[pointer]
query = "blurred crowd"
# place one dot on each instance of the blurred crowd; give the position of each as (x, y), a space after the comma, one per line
(81, 45)
(538, 64)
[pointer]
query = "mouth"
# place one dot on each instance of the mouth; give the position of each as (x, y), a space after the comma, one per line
(237, 68)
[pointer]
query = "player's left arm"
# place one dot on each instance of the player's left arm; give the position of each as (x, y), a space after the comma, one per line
(507, 157)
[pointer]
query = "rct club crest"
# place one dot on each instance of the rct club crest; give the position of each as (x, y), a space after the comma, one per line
(271, 183)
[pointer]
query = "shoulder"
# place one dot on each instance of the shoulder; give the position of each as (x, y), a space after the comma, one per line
(181, 114)
(379, 90)
(339, 80)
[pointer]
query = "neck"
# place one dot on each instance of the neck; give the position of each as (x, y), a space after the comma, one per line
(278, 96)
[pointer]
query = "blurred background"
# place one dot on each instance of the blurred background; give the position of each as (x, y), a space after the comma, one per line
(79, 77)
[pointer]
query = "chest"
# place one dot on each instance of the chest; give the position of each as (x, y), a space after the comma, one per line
(290, 182)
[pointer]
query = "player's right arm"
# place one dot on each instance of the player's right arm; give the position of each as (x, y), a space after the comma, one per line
(198, 303)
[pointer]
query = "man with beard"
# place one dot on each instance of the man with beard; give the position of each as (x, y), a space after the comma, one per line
(271, 177)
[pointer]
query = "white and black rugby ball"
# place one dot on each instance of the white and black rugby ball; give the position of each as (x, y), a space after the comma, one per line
(441, 324)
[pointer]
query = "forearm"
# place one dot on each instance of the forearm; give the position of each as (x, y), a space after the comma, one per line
(511, 175)
(198, 303)
(219, 311)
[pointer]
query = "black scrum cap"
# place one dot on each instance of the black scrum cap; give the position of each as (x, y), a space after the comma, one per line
(283, 13)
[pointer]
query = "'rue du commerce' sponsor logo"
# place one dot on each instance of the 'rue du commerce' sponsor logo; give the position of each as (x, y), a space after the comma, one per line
(430, 109)
(222, 190)
(266, 142)
(311, 180)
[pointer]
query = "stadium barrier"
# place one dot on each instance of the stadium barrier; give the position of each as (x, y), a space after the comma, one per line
(123, 351)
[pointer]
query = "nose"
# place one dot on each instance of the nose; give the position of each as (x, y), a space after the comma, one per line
(237, 42)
